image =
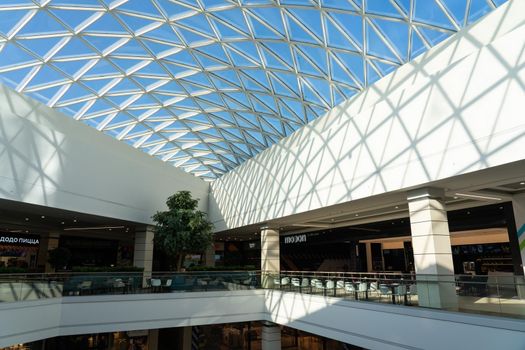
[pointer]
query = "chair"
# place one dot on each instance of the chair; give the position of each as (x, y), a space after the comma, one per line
(305, 282)
(330, 285)
(400, 291)
(166, 285)
(85, 286)
(350, 288)
(363, 288)
(155, 284)
(285, 281)
(412, 290)
(119, 285)
(384, 290)
(374, 287)
(296, 282)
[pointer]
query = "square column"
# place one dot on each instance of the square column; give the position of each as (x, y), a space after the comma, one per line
(432, 249)
(270, 255)
(48, 242)
(270, 336)
(143, 253)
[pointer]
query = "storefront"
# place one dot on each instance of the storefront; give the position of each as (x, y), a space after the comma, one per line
(18, 250)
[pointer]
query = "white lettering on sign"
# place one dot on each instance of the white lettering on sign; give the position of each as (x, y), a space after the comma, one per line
(7, 239)
(295, 239)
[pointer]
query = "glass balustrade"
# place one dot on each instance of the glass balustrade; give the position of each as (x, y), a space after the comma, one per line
(484, 294)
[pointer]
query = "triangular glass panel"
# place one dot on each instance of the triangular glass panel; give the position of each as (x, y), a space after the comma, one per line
(377, 47)
(311, 19)
(134, 23)
(298, 33)
(74, 47)
(397, 34)
(382, 7)
(9, 19)
(458, 10)
(74, 92)
(240, 60)
(351, 24)
(13, 55)
(106, 24)
(339, 38)
(198, 23)
(227, 33)
(372, 75)
(140, 7)
(41, 23)
(262, 30)
(72, 18)
(101, 43)
(428, 11)
(433, 36)
(235, 17)
(131, 48)
(478, 8)
(70, 67)
(418, 46)
(45, 75)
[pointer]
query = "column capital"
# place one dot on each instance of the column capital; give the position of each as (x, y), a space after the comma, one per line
(269, 227)
(426, 192)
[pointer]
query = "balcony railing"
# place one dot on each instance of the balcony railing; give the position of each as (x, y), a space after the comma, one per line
(488, 294)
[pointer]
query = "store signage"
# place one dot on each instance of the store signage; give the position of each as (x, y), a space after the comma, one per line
(19, 240)
(295, 239)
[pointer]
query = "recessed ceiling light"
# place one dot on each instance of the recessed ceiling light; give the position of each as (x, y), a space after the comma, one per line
(522, 183)
(74, 220)
(27, 219)
(63, 223)
(397, 206)
(356, 214)
(43, 216)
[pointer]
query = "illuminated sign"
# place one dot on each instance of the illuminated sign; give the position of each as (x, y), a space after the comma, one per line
(19, 240)
(295, 239)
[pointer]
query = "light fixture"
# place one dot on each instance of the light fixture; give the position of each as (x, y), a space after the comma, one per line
(74, 220)
(27, 219)
(43, 216)
(478, 196)
(397, 207)
(522, 183)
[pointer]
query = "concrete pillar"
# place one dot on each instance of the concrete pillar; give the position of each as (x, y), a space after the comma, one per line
(153, 339)
(209, 256)
(143, 252)
(432, 250)
(270, 336)
(48, 242)
(270, 255)
(369, 265)
(186, 338)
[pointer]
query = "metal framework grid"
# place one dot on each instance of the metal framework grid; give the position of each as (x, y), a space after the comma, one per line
(208, 84)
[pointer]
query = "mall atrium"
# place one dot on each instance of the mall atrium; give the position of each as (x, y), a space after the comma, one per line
(362, 163)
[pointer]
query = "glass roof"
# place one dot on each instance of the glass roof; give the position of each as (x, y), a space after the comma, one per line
(208, 84)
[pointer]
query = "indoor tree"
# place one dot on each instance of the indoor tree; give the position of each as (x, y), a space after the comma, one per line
(182, 229)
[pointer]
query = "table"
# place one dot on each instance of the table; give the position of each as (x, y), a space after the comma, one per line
(393, 287)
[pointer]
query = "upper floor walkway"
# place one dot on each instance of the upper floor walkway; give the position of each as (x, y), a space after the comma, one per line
(346, 307)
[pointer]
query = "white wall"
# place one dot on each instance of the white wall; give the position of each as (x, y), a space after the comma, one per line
(370, 325)
(49, 159)
(454, 110)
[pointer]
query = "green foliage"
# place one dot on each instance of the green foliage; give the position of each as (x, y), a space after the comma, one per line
(59, 257)
(182, 229)
(13, 269)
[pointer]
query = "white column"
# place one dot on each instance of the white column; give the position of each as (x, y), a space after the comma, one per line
(270, 255)
(143, 253)
(432, 249)
(270, 336)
